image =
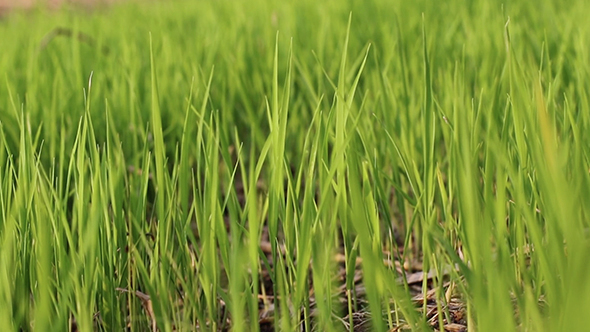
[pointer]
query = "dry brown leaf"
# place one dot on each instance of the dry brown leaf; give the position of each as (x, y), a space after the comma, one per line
(146, 303)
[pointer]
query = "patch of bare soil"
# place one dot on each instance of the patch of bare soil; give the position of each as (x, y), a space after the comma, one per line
(8, 5)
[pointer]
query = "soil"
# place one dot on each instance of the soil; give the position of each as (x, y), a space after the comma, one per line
(8, 5)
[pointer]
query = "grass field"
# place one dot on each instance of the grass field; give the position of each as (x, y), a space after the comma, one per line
(311, 166)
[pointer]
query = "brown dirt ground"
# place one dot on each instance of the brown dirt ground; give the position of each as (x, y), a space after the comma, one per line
(8, 5)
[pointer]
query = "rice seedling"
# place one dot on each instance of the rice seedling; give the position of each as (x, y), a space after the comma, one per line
(335, 166)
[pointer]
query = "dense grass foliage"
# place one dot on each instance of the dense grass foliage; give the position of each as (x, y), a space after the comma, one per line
(213, 165)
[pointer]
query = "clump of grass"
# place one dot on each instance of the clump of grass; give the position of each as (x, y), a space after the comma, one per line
(295, 167)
